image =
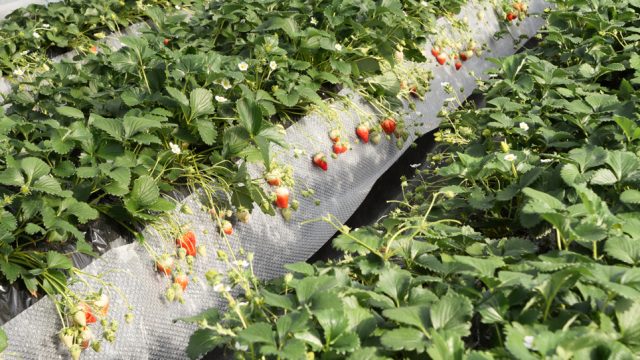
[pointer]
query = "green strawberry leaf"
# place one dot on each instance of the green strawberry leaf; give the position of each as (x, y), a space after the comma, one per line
(403, 338)
(70, 112)
(56, 260)
(201, 103)
(203, 341)
(261, 333)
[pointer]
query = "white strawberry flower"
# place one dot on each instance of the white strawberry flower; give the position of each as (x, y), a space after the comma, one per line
(221, 98)
(510, 157)
(338, 47)
(273, 65)
(226, 84)
(239, 347)
(46, 26)
(313, 21)
(219, 287)
(175, 148)
(424, 3)
(177, 7)
(524, 126)
(546, 161)
(18, 72)
(528, 341)
(242, 263)
(36, 35)
(243, 66)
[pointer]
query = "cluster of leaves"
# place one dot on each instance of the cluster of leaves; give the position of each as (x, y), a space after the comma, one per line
(522, 243)
(113, 131)
(557, 142)
(33, 33)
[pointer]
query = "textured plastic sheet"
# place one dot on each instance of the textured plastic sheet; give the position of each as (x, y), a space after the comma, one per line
(153, 335)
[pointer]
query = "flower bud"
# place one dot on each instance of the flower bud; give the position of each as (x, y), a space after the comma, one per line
(504, 146)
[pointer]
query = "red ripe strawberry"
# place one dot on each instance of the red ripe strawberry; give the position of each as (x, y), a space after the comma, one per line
(188, 242)
(463, 56)
(88, 314)
(435, 51)
(273, 179)
(320, 160)
(182, 280)
(363, 133)
(458, 65)
(442, 59)
(282, 197)
(388, 125)
(334, 135)
(340, 148)
(165, 264)
(165, 42)
(511, 16)
(93, 49)
(227, 228)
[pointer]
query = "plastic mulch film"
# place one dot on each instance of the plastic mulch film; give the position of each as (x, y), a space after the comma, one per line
(153, 334)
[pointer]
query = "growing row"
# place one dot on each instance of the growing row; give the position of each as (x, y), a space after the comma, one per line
(520, 238)
(186, 103)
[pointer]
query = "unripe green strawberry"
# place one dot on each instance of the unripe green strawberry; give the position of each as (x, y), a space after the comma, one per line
(75, 351)
(170, 294)
(286, 214)
(376, 138)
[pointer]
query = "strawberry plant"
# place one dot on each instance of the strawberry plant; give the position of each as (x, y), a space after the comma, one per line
(187, 103)
(36, 32)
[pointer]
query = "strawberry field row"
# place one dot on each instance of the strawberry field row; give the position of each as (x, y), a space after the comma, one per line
(117, 130)
(520, 240)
